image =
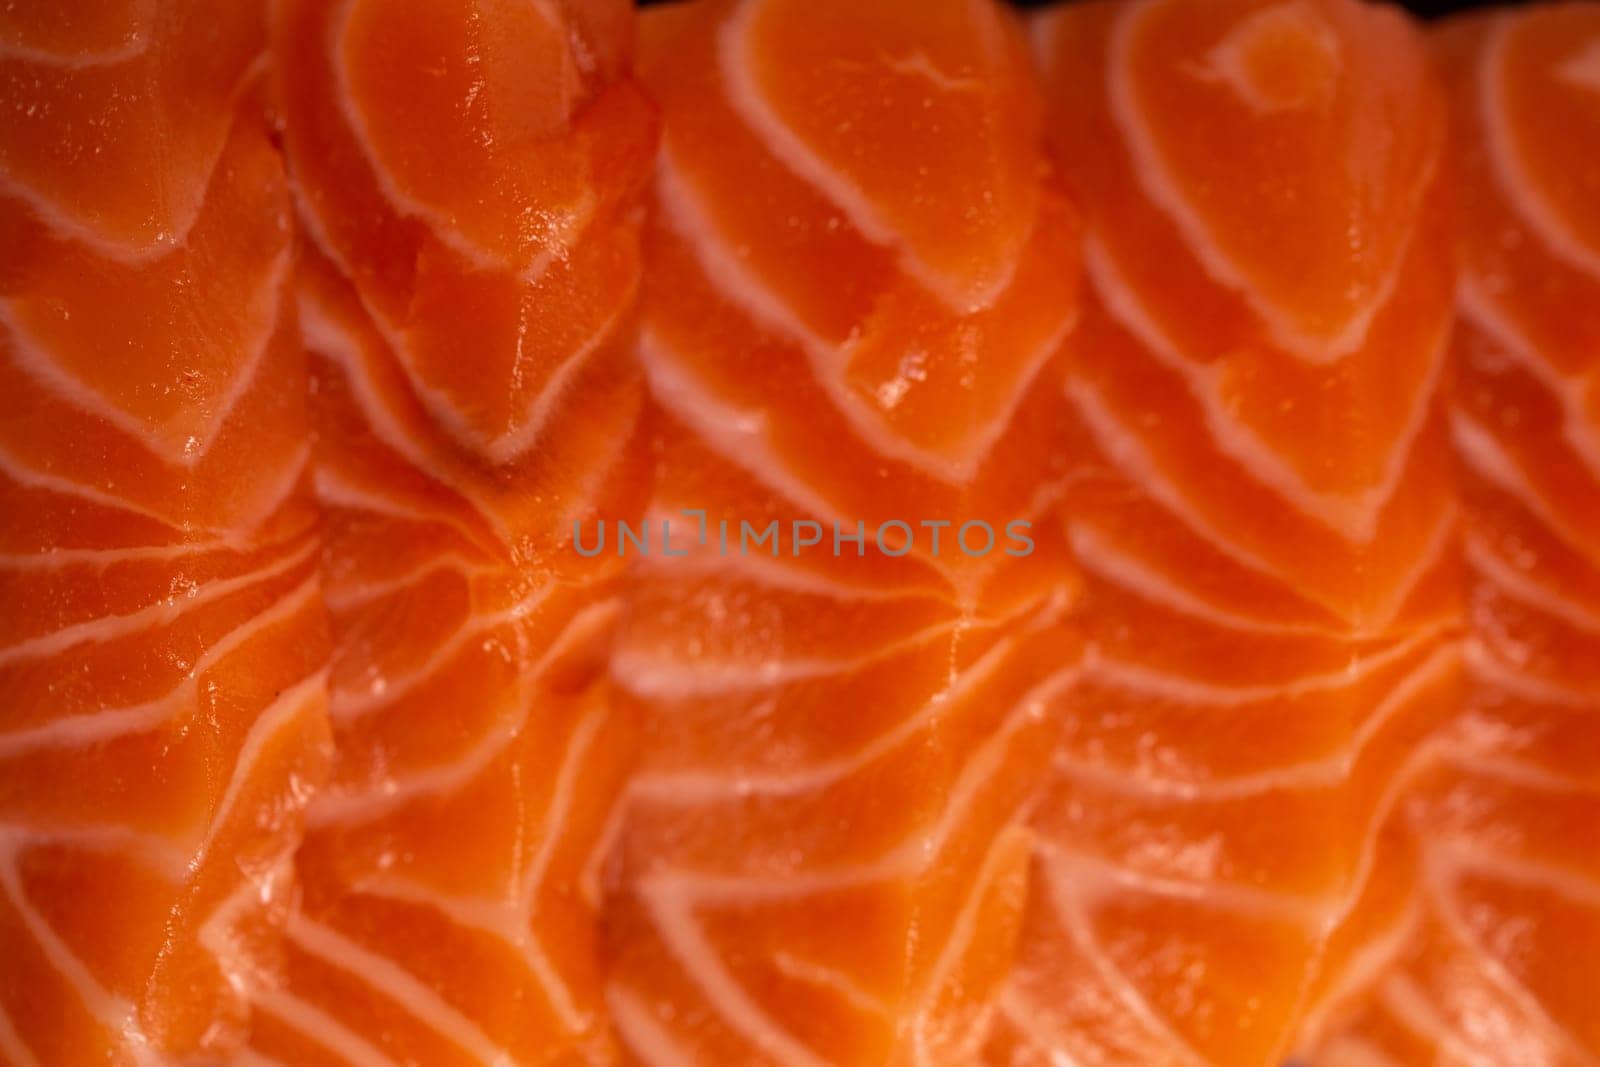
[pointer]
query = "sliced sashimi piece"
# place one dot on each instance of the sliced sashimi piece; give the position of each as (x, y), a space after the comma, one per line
(858, 275)
(1262, 508)
(470, 176)
(1493, 958)
(163, 644)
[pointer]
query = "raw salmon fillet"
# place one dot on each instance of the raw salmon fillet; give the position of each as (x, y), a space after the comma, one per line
(470, 174)
(1263, 511)
(858, 273)
(163, 649)
(1496, 959)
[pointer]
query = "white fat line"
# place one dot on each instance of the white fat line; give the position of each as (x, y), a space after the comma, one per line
(536, 416)
(12, 468)
(324, 334)
(1362, 971)
(1448, 857)
(671, 908)
(1129, 455)
(135, 44)
(353, 595)
(1520, 773)
(115, 1013)
(79, 231)
(389, 979)
(1067, 906)
(661, 677)
(743, 94)
(292, 703)
(32, 357)
(1353, 515)
(112, 723)
(334, 491)
(1094, 877)
(1482, 451)
(832, 980)
(367, 802)
(383, 690)
(564, 227)
(1152, 172)
(1032, 1020)
(768, 572)
(1326, 773)
(1487, 668)
(961, 937)
(322, 1029)
(1150, 682)
(646, 1036)
(1482, 310)
(1506, 164)
(164, 612)
(12, 1046)
(735, 281)
(709, 787)
(50, 558)
(1454, 855)
(1098, 554)
(1408, 1006)
(495, 917)
(1496, 571)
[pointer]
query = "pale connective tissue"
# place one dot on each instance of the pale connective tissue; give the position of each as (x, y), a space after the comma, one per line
(894, 537)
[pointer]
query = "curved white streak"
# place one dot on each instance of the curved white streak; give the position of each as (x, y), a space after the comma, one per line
(671, 910)
(80, 231)
(322, 1028)
(383, 690)
(831, 980)
(1505, 163)
(737, 282)
(1147, 681)
(291, 704)
(116, 1013)
(1447, 860)
(515, 442)
(706, 787)
(1129, 455)
(563, 230)
(1099, 556)
(1407, 1005)
(30, 354)
(646, 1036)
(154, 616)
(1354, 516)
(1487, 668)
(1065, 903)
(739, 435)
(511, 925)
(389, 979)
(736, 66)
(1480, 450)
(367, 802)
(334, 492)
(12, 1047)
(1155, 179)
(1478, 307)
(350, 596)
(324, 335)
(1494, 570)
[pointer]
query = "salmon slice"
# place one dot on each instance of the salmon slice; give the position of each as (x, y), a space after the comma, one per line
(858, 274)
(163, 647)
(470, 175)
(1494, 958)
(1262, 508)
